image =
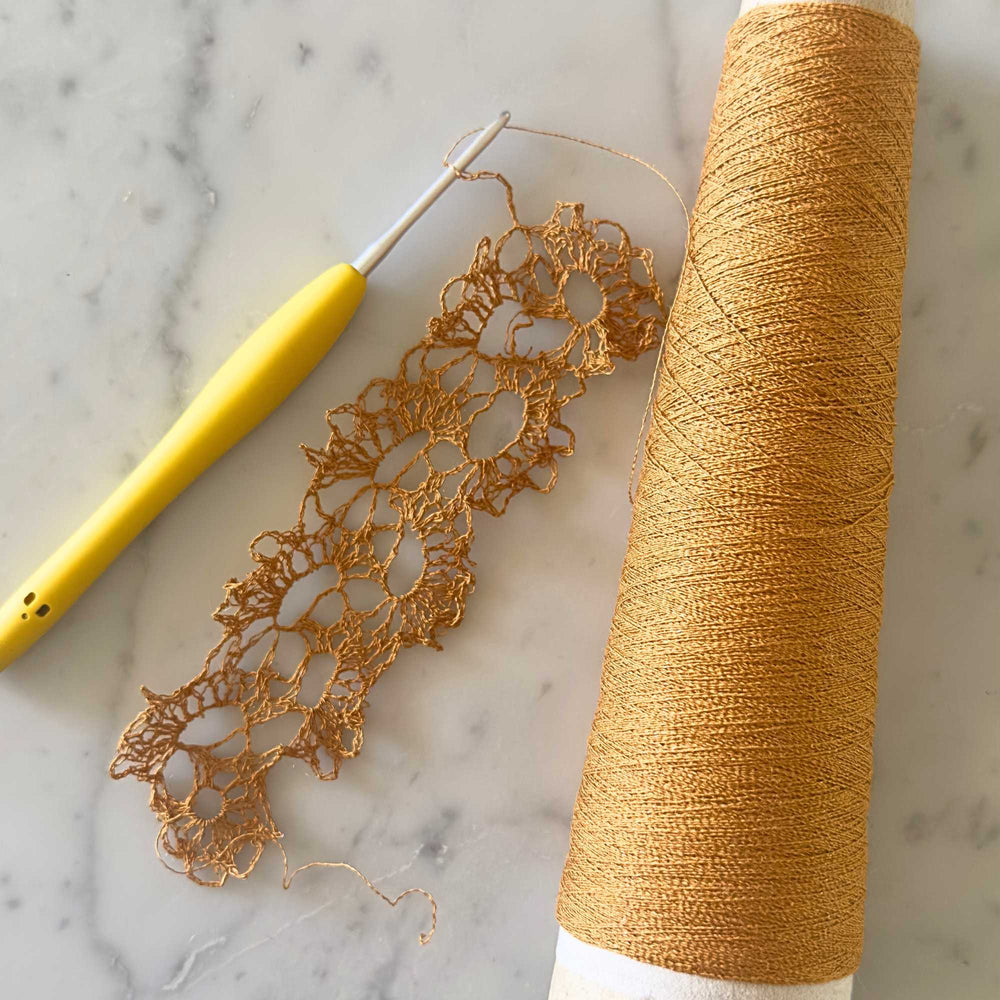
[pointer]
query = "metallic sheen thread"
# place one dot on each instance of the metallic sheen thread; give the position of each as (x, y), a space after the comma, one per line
(720, 824)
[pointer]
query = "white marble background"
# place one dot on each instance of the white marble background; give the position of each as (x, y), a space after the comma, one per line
(169, 174)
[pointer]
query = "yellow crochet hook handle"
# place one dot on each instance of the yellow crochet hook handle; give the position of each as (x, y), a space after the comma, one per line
(250, 385)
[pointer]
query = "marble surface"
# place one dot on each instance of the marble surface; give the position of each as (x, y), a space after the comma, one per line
(170, 173)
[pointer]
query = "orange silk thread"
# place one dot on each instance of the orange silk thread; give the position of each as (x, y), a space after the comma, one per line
(720, 824)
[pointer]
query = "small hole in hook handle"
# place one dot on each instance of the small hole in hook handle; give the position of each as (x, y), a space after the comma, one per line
(29, 597)
(43, 610)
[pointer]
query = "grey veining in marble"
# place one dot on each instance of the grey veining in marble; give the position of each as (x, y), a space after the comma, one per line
(170, 173)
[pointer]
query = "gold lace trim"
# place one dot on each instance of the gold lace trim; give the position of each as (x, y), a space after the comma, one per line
(397, 468)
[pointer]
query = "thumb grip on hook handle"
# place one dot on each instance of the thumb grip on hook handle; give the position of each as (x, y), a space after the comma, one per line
(250, 385)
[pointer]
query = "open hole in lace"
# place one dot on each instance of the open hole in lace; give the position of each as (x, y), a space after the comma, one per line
(561, 438)
(328, 609)
(542, 334)
(288, 649)
(407, 564)
(207, 803)
(451, 485)
(246, 857)
(225, 782)
(363, 593)
(303, 593)
(639, 271)
(382, 544)
(496, 428)
(347, 683)
(583, 297)
(449, 378)
(544, 280)
(514, 251)
(215, 726)
(311, 517)
(277, 732)
(494, 337)
(542, 476)
(325, 763)
(400, 458)
(384, 513)
(569, 387)
(266, 546)
(317, 674)
(342, 422)
(415, 476)
(439, 359)
(331, 498)
(178, 775)
(359, 511)
(445, 456)
(483, 381)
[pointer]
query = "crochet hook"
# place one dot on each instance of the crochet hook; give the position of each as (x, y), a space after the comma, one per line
(250, 385)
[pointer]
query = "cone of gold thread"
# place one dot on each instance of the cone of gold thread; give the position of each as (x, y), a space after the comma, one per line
(719, 827)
